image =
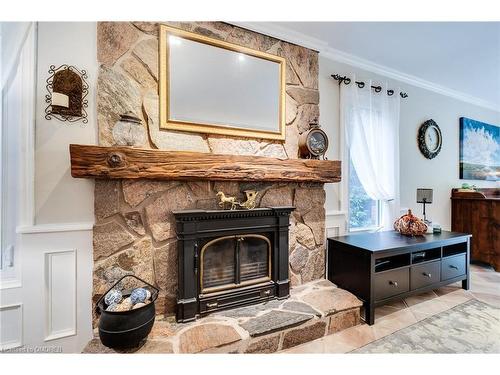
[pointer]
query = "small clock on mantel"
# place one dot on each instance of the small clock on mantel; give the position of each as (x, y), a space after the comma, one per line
(429, 139)
(313, 143)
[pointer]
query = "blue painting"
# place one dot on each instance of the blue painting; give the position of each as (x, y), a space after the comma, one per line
(479, 150)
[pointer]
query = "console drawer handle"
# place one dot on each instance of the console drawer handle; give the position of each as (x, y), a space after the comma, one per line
(213, 304)
(267, 292)
(427, 274)
(394, 283)
(454, 267)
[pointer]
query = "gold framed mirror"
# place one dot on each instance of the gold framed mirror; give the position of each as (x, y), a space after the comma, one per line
(215, 87)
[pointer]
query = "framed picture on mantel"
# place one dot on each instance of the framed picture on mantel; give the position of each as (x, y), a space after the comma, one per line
(479, 150)
(212, 86)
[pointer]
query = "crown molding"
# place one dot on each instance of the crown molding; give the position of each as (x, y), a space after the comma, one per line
(283, 33)
(330, 53)
(346, 58)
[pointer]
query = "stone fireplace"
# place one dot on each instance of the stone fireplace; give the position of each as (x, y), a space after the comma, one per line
(259, 272)
(230, 258)
(135, 229)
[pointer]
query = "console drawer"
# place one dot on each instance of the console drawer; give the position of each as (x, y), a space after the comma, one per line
(391, 283)
(425, 274)
(452, 267)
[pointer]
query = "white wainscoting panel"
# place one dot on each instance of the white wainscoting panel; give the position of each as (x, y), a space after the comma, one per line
(51, 228)
(60, 294)
(336, 223)
(11, 326)
(57, 289)
(332, 232)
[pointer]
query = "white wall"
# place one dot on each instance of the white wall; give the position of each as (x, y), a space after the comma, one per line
(60, 198)
(55, 234)
(440, 173)
(60, 243)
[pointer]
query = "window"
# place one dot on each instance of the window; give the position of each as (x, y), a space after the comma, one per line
(370, 122)
(364, 212)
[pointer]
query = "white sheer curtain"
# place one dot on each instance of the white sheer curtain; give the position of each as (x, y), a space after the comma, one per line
(371, 128)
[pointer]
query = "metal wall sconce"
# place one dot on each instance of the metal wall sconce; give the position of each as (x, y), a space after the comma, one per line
(67, 89)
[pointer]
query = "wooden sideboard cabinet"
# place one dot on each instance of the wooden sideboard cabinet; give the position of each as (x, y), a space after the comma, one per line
(478, 213)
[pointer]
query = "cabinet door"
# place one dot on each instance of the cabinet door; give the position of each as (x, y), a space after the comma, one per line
(495, 235)
(461, 215)
(481, 238)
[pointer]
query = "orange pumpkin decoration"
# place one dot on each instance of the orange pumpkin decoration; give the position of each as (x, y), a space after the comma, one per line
(410, 225)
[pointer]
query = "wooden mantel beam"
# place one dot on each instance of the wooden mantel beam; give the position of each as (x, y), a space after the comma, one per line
(132, 163)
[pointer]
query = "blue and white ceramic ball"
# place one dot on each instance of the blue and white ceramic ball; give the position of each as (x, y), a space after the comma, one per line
(138, 295)
(113, 296)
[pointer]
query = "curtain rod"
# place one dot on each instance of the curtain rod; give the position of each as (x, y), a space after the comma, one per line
(361, 84)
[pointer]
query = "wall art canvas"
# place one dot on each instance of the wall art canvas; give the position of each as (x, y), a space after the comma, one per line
(479, 150)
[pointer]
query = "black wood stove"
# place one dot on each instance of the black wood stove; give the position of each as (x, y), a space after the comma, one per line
(230, 258)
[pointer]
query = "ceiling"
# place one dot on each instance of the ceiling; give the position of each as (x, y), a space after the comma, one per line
(461, 56)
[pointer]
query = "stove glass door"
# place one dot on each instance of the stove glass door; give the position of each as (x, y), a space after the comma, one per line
(234, 261)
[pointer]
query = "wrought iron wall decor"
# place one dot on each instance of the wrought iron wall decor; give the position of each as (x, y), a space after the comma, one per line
(67, 91)
(361, 84)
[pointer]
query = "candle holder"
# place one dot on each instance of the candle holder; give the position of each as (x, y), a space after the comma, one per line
(67, 91)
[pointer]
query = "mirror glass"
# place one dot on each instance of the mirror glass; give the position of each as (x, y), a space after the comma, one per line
(213, 88)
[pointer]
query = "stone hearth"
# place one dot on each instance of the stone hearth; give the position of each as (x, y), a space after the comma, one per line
(315, 309)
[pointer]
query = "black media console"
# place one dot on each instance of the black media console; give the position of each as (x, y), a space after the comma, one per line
(383, 266)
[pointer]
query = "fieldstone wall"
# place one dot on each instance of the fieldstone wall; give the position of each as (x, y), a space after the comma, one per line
(134, 230)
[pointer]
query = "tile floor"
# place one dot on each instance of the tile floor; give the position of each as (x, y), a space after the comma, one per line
(485, 286)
